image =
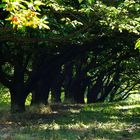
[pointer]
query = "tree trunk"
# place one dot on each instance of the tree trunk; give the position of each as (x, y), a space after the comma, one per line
(68, 73)
(56, 86)
(106, 92)
(79, 88)
(94, 91)
(108, 89)
(18, 98)
(92, 95)
(18, 90)
(40, 92)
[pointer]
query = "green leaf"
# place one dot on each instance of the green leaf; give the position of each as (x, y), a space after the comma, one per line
(37, 2)
(3, 5)
(137, 45)
(80, 1)
(90, 1)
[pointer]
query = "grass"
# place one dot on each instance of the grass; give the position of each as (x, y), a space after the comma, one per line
(104, 121)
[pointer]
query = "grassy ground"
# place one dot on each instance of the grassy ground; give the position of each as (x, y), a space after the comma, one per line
(108, 121)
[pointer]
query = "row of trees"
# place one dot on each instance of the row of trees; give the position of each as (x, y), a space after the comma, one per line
(81, 48)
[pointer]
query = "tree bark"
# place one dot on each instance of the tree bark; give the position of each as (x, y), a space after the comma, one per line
(40, 92)
(18, 89)
(79, 88)
(18, 98)
(56, 86)
(94, 91)
(68, 74)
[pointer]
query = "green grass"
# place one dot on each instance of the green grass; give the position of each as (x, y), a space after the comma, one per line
(108, 121)
(104, 121)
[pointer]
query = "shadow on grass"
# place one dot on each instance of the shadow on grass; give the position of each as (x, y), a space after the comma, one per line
(77, 122)
(70, 114)
(85, 134)
(102, 114)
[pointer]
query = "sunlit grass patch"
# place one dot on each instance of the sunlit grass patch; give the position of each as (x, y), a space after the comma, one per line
(101, 121)
(4, 98)
(41, 109)
(128, 106)
(28, 99)
(134, 97)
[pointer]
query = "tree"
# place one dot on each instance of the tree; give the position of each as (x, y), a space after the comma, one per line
(39, 38)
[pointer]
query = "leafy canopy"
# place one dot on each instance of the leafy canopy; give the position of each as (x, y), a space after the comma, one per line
(64, 18)
(25, 13)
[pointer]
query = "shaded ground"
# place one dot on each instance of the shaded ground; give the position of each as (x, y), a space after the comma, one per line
(73, 122)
